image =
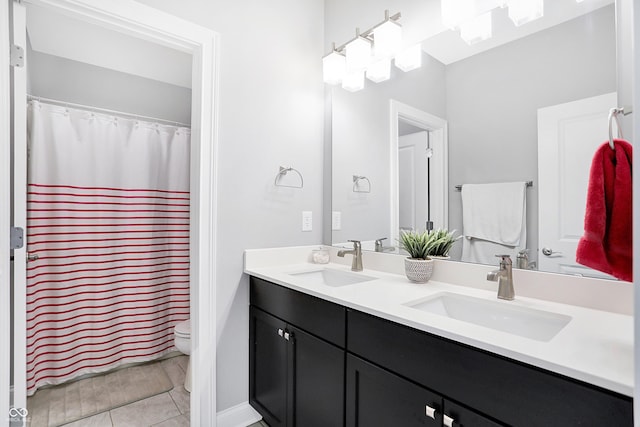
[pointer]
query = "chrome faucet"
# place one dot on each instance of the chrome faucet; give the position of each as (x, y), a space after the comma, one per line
(380, 248)
(504, 278)
(356, 263)
(522, 261)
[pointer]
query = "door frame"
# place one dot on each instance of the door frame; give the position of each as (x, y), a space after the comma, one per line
(438, 140)
(5, 215)
(141, 21)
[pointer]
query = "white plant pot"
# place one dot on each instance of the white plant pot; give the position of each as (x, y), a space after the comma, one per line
(418, 270)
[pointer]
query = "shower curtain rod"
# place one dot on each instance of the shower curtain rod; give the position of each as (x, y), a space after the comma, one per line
(106, 111)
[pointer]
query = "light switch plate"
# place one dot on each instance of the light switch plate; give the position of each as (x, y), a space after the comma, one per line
(336, 220)
(307, 220)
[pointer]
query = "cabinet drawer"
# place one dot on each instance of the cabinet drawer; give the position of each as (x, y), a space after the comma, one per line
(510, 391)
(319, 317)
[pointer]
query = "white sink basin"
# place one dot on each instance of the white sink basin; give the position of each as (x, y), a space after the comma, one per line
(502, 316)
(331, 277)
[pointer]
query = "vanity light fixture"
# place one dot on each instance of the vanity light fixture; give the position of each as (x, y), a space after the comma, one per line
(370, 53)
(410, 58)
(358, 53)
(379, 71)
(473, 17)
(387, 37)
(334, 67)
(477, 29)
(524, 11)
(353, 81)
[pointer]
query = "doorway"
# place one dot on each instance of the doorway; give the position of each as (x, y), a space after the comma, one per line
(419, 170)
(150, 25)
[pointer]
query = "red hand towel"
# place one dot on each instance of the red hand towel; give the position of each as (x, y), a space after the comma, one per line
(607, 244)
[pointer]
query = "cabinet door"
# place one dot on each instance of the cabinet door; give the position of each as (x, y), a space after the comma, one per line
(459, 416)
(317, 381)
(268, 367)
(376, 397)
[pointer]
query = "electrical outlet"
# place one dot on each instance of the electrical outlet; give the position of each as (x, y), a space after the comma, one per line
(336, 220)
(307, 220)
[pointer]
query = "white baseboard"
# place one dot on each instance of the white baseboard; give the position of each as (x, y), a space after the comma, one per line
(241, 415)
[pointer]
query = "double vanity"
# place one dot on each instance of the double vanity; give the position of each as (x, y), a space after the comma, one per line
(332, 347)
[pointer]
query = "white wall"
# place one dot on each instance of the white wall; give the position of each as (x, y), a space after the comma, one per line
(271, 114)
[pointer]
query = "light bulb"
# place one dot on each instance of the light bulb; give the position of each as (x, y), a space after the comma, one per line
(354, 81)
(410, 58)
(455, 12)
(333, 68)
(387, 39)
(523, 11)
(358, 54)
(477, 29)
(379, 71)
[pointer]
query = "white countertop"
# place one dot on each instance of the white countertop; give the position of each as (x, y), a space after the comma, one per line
(595, 347)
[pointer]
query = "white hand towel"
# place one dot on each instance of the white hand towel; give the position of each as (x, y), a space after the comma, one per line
(494, 220)
(494, 212)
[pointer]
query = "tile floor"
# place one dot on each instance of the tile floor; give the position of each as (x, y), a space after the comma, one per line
(170, 409)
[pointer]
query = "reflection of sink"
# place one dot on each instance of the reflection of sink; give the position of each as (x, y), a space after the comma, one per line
(330, 277)
(525, 322)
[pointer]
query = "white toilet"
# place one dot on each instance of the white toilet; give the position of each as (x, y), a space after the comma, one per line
(182, 341)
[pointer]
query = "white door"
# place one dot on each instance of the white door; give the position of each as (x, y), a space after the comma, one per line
(413, 180)
(568, 137)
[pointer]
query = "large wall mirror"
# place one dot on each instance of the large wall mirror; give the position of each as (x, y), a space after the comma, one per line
(519, 107)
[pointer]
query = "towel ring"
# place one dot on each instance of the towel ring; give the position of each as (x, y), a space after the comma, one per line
(282, 172)
(356, 179)
(613, 115)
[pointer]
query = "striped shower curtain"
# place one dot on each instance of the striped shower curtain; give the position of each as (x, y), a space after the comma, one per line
(108, 219)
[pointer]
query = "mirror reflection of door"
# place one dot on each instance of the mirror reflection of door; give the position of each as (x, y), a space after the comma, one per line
(568, 136)
(419, 170)
(413, 177)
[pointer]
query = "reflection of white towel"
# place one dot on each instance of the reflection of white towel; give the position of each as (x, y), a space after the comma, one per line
(494, 221)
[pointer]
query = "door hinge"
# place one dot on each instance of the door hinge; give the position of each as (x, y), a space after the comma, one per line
(17, 56)
(16, 238)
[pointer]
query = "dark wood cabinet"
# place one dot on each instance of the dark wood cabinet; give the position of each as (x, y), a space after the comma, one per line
(379, 398)
(318, 381)
(296, 377)
(269, 367)
(316, 363)
(511, 392)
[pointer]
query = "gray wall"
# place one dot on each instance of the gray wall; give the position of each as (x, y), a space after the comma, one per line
(492, 102)
(271, 103)
(66, 80)
(361, 134)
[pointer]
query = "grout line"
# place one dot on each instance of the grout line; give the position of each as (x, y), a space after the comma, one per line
(174, 402)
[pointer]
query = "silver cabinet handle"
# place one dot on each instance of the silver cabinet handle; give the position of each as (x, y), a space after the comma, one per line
(286, 336)
(431, 412)
(447, 420)
(32, 257)
(280, 332)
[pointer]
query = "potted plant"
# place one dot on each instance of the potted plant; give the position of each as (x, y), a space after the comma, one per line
(440, 242)
(418, 266)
